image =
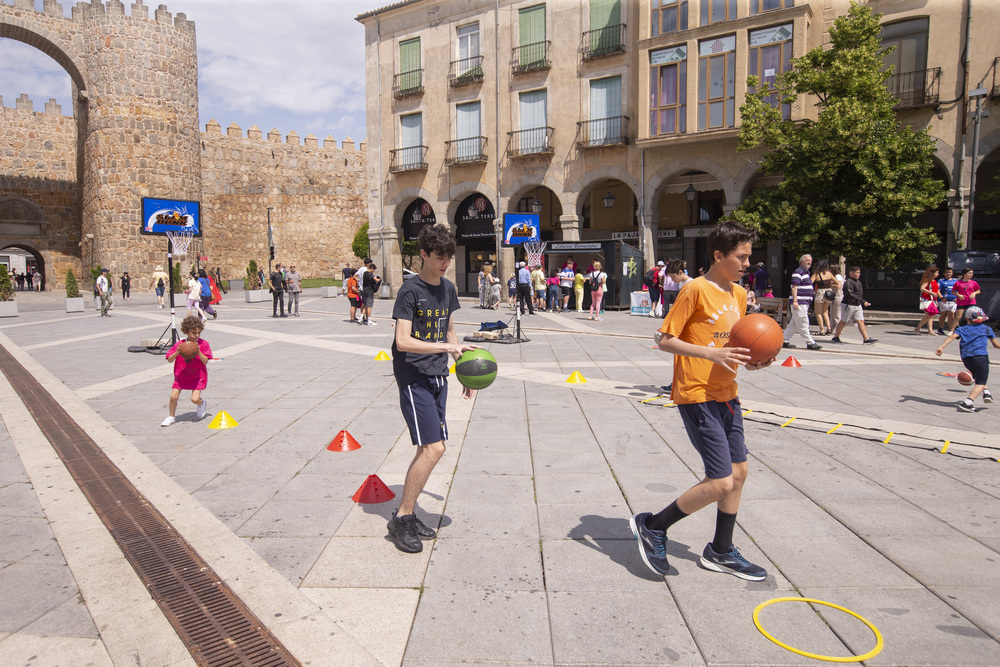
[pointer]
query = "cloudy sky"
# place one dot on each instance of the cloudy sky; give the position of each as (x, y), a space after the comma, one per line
(288, 64)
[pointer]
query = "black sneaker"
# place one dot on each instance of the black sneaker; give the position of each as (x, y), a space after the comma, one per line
(966, 406)
(404, 533)
(870, 341)
(814, 346)
(836, 339)
(787, 344)
(731, 562)
(652, 543)
(941, 332)
(424, 531)
(987, 396)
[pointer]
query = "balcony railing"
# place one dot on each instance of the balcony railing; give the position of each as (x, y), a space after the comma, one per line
(409, 83)
(465, 71)
(916, 89)
(604, 42)
(531, 57)
(602, 132)
(465, 151)
(407, 159)
(995, 90)
(525, 143)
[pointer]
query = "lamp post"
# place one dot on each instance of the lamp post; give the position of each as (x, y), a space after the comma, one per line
(690, 193)
(270, 241)
(977, 94)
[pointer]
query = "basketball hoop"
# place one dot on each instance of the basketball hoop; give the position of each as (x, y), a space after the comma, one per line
(180, 241)
(535, 252)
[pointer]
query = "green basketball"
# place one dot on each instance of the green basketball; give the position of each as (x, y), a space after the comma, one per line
(476, 369)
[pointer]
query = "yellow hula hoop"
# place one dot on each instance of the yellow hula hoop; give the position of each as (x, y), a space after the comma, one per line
(856, 658)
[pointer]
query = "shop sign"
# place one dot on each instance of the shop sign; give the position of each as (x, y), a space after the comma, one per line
(559, 247)
(666, 234)
(624, 235)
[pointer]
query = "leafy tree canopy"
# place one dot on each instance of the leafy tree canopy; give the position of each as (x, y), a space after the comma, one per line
(854, 180)
(360, 243)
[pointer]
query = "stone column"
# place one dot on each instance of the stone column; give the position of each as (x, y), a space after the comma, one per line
(570, 227)
(390, 267)
(649, 230)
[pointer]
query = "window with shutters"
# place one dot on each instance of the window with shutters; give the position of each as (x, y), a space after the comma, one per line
(770, 55)
(668, 16)
(668, 91)
(717, 83)
(411, 152)
(409, 81)
(532, 52)
(607, 32)
(469, 145)
(468, 67)
(607, 126)
(534, 137)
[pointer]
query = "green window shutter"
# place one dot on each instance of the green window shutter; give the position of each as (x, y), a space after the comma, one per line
(532, 35)
(409, 64)
(605, 17)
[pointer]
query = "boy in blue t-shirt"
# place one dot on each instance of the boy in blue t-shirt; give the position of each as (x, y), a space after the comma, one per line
(425, 336)
(973, 334)
(948, 304)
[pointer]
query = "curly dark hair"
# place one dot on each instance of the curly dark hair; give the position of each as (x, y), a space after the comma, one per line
(437, 238)
(192, 323)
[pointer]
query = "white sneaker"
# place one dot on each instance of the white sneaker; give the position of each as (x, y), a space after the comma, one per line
(202, 409)
(371, 323)
(168, 421)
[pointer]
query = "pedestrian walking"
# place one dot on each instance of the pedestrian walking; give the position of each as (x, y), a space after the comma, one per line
(825, 288)
(552, 291)
(801, 298)
(948, 304)
(525, 298)
(104, 288)
(705, 391)
(929, 296)
(206, 294)
(189, 374)
(653, 284)
(353, 298)
(425, 337)
(126, 283)
(293, 282)
(368, 290)
(973, 334)
(853, 310)
(579, 280)
(193, 292)
(277, 292)
(219, 282)
(159, 283)
(965, 290)
(598, 280)
(345, 273)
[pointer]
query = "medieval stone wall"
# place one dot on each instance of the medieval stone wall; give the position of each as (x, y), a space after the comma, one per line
(318, 195)
(39, 197)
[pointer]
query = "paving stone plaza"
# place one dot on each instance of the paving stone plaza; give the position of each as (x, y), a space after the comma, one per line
(850, 499)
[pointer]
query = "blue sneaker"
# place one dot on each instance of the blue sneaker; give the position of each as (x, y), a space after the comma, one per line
(731, 562)
(652, 544)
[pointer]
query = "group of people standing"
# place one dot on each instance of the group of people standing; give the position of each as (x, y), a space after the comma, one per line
(536, 290)
(29, 279)
(945, 296)
(285, 282)
(664, 281)
(360, 286)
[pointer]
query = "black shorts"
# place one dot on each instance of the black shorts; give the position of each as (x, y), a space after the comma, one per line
(565, 290)
(368, 298)
(979, 366)
(423, 405)
(716, 431)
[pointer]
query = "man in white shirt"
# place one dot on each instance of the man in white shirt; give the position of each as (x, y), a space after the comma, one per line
(104, 291)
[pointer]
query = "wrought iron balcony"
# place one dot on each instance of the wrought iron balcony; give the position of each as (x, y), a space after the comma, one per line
(531, 57)
(525, 143)
(995, 90)
(602, 132)
(916, 89)
(604, 42)
(409, 83)
(407, 159)
(465, 151)
(465, 71)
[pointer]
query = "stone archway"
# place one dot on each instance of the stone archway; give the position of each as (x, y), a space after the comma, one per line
(39, 260)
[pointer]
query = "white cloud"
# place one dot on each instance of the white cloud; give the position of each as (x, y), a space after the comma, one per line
(292, 65)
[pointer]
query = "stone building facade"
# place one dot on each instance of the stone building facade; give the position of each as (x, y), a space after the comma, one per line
(71, 189)
(640, 100)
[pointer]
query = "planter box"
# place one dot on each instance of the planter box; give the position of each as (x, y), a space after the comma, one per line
(254, 295)
(8, 308)
(329, 291)
(74, 305)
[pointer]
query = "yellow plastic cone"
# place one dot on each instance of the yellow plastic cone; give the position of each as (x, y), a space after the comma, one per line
(382, 356)
(576, 378)
(452, 369)
(223, 420)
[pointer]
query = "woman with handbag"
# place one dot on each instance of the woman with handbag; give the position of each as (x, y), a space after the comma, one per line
(826, 286)
(929, 295)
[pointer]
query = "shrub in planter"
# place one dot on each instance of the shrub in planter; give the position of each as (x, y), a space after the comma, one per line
(6, 285)
(253, 280)
(72, 288)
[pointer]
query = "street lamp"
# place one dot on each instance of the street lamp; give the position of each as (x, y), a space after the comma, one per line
(536, 206)
(473, 211)
(976, 94)
(690, 193)
(609, 200)
(417, 216)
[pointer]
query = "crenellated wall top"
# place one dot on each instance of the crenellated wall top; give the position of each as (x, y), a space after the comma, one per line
(235, 132)
(84, 11)
(23, 103)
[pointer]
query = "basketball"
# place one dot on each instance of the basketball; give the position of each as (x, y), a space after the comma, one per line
(476, 369)
(965, 379)
(758, 333)
(188, 349)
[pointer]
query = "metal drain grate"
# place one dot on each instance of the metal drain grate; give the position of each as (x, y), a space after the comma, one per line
(212, 622)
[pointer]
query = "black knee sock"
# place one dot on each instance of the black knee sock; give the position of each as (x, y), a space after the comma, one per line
(724, 525)
(668, 517)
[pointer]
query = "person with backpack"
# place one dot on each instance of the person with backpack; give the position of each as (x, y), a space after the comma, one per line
(353, 296)
(598, 281)
(159, 282)
(652, 281)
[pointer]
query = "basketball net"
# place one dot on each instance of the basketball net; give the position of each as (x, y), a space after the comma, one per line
(535, 252)
(180, 241)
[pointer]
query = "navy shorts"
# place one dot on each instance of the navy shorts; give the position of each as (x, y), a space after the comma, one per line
(423, 405)
(979, 366)
(716, 431)
(160, 291)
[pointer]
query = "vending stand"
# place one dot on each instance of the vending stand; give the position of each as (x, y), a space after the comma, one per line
(621, 261)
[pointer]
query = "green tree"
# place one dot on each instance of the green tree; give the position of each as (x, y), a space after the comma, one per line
(176, 281)
(360, 244)
(6, 285)
(854, 180)
(72, 288)
(253, 280)
(409, 249)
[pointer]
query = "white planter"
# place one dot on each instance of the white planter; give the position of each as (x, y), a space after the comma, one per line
(75, 304)
(327, 292)
(8, 308)
(254, 295)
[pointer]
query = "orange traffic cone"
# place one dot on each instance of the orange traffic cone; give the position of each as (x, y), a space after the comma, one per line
(373, 491)
(791, 362)
(343, 442)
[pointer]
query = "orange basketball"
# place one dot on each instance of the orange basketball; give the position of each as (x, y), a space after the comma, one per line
(188, 349)
(965, 379)
(759, 334)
